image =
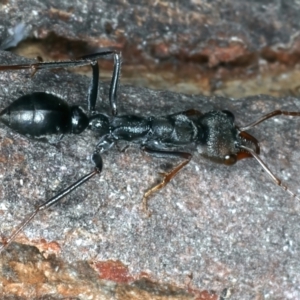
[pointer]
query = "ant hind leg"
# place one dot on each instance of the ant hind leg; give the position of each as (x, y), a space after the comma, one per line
(97, 160)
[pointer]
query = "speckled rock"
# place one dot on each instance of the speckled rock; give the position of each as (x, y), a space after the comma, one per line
(212, 228)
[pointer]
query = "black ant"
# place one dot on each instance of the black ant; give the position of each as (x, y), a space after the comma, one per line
(214, 133)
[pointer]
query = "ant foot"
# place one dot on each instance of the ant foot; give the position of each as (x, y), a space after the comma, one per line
(145, 208)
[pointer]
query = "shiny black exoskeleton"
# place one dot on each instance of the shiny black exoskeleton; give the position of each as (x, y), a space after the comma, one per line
(39, 114)
(214, 133)
(43, 114)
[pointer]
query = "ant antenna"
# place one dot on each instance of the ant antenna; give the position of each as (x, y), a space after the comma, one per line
(97, 160)
(255, 155)
(275, 179)
(270, 115)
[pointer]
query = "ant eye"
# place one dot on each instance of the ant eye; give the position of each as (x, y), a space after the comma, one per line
(230, 159)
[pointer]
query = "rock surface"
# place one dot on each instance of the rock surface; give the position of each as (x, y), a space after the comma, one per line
(187, 46)
(212, 228)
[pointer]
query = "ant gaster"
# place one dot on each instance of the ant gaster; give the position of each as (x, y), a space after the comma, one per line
(214, 133)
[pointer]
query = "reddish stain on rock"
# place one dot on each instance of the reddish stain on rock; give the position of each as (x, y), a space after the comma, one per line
(205, 295)
(113, 270)
(48, 246)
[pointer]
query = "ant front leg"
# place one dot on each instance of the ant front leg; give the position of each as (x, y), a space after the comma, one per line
(167, 177)
(97, 160)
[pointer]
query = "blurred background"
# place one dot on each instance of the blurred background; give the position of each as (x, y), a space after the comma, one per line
(229, 48)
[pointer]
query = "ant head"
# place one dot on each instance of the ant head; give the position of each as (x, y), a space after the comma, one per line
(218, 137)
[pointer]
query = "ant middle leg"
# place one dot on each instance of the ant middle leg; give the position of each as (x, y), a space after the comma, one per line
(167, 176)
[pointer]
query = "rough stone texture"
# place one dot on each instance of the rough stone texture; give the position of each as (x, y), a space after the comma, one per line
(177, 40)
(32, 276)
(212, 228)
(162, 28)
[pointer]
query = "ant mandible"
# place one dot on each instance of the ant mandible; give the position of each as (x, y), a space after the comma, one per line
(214, 133)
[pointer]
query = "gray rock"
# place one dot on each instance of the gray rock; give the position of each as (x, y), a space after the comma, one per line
(224, 227)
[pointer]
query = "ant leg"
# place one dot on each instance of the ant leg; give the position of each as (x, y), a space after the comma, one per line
(93, 89)
(97, 160)
(275, 179)
(105, 143)
(166, 176)
(270, 115)
(114, 84)
(81, 61)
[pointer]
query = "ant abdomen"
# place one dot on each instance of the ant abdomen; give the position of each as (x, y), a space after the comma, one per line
(39, 114)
